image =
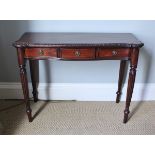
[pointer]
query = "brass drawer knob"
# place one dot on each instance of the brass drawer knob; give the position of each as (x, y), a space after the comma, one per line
(114, 52)
(41, 52)
(77, 53)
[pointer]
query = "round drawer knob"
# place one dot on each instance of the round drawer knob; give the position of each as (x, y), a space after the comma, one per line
(114, 52)
(77, 53)
(41, 52)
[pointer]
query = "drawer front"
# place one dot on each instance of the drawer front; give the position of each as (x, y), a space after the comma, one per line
(77, 54)
(40, 52)
(113, 53)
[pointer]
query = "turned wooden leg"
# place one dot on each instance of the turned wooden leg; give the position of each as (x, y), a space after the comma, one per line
(34, 69)
(131, 81)
(120, 80)
(24, 82)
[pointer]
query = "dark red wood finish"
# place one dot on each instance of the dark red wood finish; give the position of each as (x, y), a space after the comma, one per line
(77, 46)
(78, 54)
(24, 82)
(40, 52)
(120, 80)
(131, 81)
(113, 52)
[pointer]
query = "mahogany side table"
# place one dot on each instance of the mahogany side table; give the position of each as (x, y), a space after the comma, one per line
(78, 47)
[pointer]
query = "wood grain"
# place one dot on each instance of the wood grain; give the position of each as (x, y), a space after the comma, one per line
(74, 53)
(40, 52)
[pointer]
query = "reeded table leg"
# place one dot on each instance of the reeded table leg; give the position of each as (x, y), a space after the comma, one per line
(23, 76)
(34, 69)
(131, 81)
(120, 80)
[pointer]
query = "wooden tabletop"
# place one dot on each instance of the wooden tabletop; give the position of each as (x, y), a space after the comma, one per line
(31, 39)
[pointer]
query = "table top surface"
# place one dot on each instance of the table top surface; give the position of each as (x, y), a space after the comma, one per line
(34, 39)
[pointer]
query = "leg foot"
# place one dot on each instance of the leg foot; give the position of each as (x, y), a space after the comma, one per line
(126, 113)
(118, 96)
(29, 114)
(35, 96)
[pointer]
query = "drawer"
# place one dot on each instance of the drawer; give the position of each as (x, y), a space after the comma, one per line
(77, 54)
(113, 53)
(40, 52)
